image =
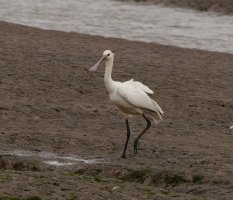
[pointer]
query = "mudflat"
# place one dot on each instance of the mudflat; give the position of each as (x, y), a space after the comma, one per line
(54, 109)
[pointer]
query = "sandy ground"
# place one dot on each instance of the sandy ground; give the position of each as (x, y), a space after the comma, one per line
(222, 6)
(51, 103)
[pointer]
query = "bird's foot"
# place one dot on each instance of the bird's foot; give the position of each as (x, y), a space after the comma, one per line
(123, 156)
(136, 145)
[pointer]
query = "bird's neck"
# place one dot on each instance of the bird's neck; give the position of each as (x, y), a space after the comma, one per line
(108, 75)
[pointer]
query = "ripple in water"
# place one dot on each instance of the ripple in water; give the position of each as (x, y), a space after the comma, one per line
(149, 23)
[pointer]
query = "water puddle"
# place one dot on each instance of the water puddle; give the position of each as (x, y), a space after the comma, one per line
(86, 161)
(57, 163)
(52, 158)
(148, 23)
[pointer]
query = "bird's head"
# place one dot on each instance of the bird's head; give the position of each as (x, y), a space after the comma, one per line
(108, 55)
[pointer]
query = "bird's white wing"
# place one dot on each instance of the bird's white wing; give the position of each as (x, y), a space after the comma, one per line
(137, 84)
(136, 97)
(139, 98)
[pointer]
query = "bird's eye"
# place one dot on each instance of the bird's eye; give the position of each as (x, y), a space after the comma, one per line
(109, 54)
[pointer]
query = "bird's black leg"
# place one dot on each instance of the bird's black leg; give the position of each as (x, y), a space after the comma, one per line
(127, 139)
(136, 141)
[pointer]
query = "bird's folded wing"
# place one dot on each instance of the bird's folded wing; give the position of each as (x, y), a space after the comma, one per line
(139, 85)
(136, 97)
(140, 99)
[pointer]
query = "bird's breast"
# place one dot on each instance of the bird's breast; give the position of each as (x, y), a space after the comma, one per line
(123, 105)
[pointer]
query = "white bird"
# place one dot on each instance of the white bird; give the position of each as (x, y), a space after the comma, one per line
(130, 97)
(231, 127)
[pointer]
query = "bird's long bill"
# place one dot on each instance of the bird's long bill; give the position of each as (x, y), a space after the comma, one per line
(94, 67)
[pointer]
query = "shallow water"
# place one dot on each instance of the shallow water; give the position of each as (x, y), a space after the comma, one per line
(149, 23)
(52, 158)
(57, 163)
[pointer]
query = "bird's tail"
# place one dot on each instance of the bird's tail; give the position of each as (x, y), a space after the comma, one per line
(156, 114)
(158, 109)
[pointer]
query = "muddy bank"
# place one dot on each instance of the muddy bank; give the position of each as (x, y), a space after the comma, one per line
(51, 103)
(223, 6)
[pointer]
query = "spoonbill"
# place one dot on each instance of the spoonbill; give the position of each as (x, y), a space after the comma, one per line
(231, 127)
(130, 97)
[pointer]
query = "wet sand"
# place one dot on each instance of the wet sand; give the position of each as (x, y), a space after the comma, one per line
(222, 6)
(51, 103)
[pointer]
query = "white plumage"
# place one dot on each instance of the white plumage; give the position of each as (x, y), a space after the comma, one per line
(137, 84)
(139, 99)
(130, 97)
